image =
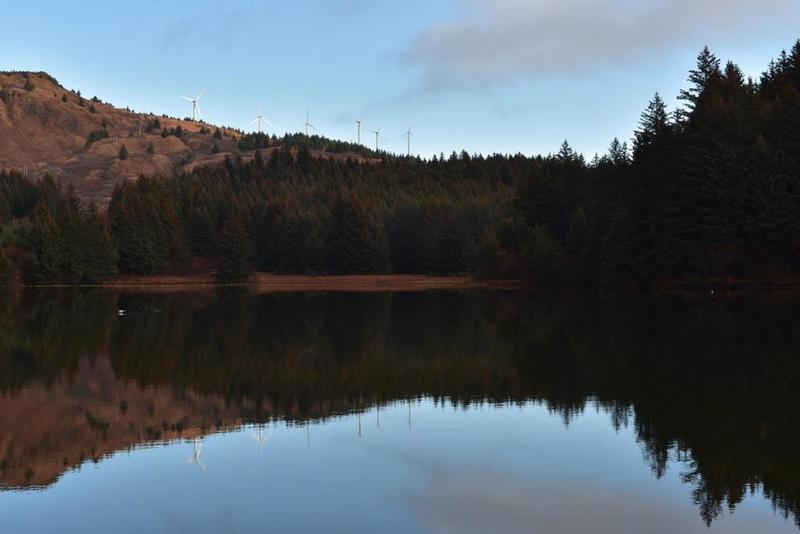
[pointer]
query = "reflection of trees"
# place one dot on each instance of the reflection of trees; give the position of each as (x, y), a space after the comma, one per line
(707, 383)
(44, 335)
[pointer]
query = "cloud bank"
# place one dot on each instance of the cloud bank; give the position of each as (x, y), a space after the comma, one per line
(495, 41)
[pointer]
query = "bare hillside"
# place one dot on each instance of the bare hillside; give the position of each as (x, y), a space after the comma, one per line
(44, 128)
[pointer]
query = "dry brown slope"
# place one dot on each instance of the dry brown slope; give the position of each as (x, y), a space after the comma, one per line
(41, 133)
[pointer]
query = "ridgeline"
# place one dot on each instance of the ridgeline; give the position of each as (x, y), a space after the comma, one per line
(707, 194)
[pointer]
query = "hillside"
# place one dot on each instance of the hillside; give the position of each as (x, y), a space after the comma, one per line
(44, 129)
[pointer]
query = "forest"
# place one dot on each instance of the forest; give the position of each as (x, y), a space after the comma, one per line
(709, 191)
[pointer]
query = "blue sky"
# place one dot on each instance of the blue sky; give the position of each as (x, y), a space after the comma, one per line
(482, 75)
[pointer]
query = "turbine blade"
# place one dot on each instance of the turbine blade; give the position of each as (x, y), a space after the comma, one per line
(187, 98)
(201, 94)
(255, 121)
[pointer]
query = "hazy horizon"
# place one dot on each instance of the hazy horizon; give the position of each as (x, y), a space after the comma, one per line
(501, 76)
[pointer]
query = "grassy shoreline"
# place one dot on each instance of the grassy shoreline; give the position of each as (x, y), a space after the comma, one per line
(266, 283)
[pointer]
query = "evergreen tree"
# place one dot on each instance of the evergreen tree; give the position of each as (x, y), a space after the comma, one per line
(123, 153)
(98, 258)
(540, 253)
(703, 78)
(355, 242)
(653, 125)
(47, 248)
(5, 269)
(233, 252)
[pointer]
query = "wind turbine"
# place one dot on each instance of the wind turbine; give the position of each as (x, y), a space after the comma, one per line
(195, 104)
(358, 121)
(377, 133)
(259, 119)
(309, 125)
(260, 438)
(198, 449)
(408, 138)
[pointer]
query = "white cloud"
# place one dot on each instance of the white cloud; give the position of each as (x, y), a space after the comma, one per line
(494, 41)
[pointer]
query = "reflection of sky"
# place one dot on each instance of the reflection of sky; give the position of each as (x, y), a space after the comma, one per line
(477, 470)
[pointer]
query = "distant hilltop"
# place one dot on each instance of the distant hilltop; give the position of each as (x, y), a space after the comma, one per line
(45, 128)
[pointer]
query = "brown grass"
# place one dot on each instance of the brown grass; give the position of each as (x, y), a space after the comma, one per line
(270, 283)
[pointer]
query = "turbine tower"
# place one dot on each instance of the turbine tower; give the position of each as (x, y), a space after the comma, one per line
(259, 119)
(358, 121)
(197, 444)
(408, 138)
(309, 125)
(377, 133)
(195, 104)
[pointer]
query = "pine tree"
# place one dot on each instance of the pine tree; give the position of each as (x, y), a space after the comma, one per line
(123, 153)
(653, 124)
(47, 248)
(233, 252)
(704, 77)
(97, 256)
(618, 153)
(355, 243)
(5, 269)
(540, 253)
(617, 250)
(5, 210)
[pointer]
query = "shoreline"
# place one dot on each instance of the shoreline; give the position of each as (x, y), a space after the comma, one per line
(273, 283)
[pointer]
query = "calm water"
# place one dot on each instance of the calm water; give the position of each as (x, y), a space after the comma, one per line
(433, 412)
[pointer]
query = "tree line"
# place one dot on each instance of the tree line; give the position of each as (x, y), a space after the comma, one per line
(710, 190)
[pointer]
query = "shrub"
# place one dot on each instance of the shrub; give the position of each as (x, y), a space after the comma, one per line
(96, 135)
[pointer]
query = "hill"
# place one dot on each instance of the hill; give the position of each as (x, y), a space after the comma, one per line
(708, 195)
(45, 128)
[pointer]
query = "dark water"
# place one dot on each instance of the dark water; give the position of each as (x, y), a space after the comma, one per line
(434, 412)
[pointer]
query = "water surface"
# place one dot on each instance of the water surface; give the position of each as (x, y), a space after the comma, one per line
(407, 412)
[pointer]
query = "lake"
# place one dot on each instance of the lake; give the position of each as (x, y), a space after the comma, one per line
(437, 412)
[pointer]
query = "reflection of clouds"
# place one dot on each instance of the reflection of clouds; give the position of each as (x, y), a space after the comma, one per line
(471, 500)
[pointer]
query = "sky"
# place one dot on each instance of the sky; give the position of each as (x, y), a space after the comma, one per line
(484, 76)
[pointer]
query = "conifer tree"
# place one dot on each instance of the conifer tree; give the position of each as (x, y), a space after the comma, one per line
(234, 250)
(355, 243)
(47, 248)
(5, 269)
